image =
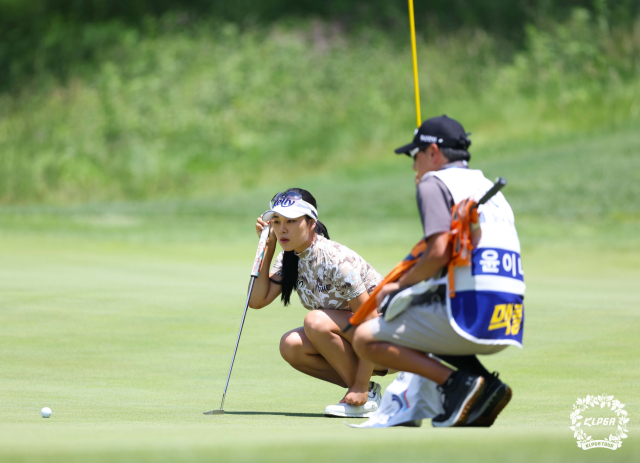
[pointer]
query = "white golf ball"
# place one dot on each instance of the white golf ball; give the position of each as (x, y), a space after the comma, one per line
(45, 412)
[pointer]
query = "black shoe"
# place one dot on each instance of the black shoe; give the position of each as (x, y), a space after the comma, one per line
(496, 396)
(460, 393)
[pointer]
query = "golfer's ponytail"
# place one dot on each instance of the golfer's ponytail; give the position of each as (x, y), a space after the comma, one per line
(321, 229)
(289, 275)
(289, 258)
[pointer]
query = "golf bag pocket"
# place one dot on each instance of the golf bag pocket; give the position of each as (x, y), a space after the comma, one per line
(408, 398)
(424, 292)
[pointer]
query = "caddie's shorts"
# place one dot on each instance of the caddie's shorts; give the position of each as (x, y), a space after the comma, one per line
(426, 328)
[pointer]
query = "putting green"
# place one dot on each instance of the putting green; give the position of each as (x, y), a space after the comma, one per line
(129, 341)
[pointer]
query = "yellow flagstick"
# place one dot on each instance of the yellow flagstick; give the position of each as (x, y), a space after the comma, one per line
(415, 62)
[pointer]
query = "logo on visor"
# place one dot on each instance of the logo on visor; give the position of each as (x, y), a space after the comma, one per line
(285, 199)
(285, 202)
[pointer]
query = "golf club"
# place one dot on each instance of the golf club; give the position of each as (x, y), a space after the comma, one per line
(257, 266)
(500, 183)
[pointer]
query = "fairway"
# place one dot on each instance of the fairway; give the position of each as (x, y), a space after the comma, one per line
(140, 140)
(126, 332)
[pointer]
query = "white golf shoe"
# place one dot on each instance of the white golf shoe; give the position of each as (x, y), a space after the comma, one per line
(358, 411)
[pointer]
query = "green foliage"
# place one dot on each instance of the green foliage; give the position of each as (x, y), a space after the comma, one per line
(582, 50)
(216, 108)
(580, 190)
(54, 36)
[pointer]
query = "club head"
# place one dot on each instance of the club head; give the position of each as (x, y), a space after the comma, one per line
(214, 412)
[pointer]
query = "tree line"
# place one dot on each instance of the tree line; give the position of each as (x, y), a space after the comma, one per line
(39, 35)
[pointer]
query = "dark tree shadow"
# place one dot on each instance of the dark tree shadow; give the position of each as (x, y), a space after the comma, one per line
(303, 415)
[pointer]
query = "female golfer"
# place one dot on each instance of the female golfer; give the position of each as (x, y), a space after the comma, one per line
(331, 281)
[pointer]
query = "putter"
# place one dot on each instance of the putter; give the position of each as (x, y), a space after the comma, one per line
(257, 266)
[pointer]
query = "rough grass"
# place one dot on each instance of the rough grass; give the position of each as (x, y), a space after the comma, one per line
(577, 190)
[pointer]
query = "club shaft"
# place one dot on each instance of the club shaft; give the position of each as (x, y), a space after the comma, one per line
(235, 350)
(497, 186)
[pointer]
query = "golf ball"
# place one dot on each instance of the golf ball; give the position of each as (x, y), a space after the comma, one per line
(45, 412)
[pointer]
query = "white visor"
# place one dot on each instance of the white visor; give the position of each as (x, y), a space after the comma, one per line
(291, 207)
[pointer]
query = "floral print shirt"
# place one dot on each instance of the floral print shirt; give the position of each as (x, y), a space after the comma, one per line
(330, 275)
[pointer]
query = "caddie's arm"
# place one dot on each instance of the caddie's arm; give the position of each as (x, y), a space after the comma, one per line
(264, 289)
(435, 256)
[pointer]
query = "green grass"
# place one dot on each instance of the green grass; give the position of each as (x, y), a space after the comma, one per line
(130, 342)
(210, 109)
(576, 189)
(122, 318)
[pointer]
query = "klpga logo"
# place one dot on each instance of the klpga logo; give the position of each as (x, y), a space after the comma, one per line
(615, 424)
(600, 421)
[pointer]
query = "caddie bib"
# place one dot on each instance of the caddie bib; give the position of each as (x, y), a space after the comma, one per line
(488, 307)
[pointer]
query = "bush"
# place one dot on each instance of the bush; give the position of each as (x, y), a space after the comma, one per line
(53, 36)
(215, 107)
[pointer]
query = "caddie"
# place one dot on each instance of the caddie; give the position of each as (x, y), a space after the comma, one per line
(481, 315)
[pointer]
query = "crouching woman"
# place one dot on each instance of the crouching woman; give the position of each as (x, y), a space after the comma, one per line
(332, 281)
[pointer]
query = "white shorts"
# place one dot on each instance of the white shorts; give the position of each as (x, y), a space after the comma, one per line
(426, 328)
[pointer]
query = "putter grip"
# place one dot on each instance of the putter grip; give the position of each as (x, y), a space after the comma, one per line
(262, 246)
(500, 183)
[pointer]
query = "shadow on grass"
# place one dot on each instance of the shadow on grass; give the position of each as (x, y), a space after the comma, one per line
(304, 415)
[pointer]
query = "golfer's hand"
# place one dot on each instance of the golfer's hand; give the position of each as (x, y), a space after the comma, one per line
(260, 225)
(356, 397)
(386, 289)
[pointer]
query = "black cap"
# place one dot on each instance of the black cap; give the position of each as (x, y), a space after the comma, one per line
(443, 131)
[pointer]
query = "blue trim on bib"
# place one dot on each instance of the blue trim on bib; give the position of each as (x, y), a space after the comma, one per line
(497, 262)
(489, 315)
